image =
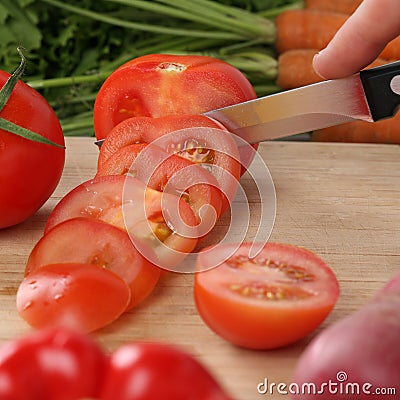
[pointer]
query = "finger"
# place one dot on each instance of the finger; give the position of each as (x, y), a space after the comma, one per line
(360, 40)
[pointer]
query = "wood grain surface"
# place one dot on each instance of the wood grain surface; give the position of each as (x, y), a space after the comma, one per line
(341, 201)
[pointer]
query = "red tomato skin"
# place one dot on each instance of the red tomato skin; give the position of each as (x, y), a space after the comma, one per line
(154, 371)
(51, 364)
(157, 85)
(261, 324)
(109, 246)
(101, 199)
(83, 297)
(29, 171)
(170, 132)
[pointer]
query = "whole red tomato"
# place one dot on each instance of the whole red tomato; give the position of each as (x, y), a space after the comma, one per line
(158, 85)
(54, 364)
(153, 371)
(60, 364)
(29, 171)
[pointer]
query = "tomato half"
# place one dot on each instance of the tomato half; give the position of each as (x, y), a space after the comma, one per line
(51, 364)
(162, 227)
(268, 301)
(29, 171)
(89, 241)
(151, 371)
(83, 297)
(157, 85)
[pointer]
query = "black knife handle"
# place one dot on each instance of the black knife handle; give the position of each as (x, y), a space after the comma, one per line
(382, 89)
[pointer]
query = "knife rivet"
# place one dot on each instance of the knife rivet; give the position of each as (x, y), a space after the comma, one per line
(395, 84)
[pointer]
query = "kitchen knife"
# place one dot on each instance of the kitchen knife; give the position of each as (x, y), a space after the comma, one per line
(370, 95)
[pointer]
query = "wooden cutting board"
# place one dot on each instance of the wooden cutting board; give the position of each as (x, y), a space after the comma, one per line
(341, 201)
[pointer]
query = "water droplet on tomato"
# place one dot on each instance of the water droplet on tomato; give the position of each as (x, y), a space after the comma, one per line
(33, 284)
(27, 305)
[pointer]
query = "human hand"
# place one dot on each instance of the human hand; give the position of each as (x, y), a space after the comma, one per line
(360, 40)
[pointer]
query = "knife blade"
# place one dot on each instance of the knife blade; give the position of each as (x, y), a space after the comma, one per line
(370, 95)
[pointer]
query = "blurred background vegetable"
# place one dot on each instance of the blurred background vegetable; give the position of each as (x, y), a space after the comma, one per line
(73, 46)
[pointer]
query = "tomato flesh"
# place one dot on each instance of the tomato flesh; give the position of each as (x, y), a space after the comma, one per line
(83, 297)
(265, 302)
(158, 85)
(171, 173)
(196, 138)
(162, 226)
(89, 241)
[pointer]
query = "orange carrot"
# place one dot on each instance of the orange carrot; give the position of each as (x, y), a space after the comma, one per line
(306, 29)
(314, 29)
(392, 50)
(341, 6)
(385, 131)
(295, 68)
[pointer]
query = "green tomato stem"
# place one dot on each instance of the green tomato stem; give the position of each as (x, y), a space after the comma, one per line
(5, 94)
(26, 133)
(9, 86)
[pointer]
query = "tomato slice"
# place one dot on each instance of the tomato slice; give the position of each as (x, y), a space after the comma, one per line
(194, 137)
(89, 241)
(83, 297)
(164, 172)
(268, 301)
(162, 227)
(51, 364)
(89, 199)
(158, 85)
(152, 371)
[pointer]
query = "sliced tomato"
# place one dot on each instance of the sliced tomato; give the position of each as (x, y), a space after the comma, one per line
(51, 364)
(89, 199)
(267, 301)
(164, 172)
(120, 162)
(158, 85)
(83, 297)
(162, 227)
(147, 130)
(89, 241)
(194, 137)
